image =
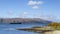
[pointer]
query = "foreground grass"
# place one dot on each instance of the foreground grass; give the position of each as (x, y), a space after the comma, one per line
(57, 28)
(55, 25)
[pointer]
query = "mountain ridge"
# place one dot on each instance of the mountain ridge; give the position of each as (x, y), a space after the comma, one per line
(27, 20)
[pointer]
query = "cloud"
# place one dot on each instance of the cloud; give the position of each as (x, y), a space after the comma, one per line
(10, 12)
(31, 2)
(25, 13)
(35, 4)
(48, 17)
(35, 7)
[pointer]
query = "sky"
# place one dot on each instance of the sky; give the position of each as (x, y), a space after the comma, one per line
(44, 9)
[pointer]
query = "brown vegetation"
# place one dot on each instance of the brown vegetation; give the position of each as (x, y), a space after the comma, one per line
(55, 25)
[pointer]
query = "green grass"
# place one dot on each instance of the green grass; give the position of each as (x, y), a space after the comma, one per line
(57, 28)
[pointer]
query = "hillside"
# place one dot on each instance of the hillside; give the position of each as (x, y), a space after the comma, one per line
(23, 20)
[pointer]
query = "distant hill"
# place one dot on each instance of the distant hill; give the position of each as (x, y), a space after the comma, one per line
(23, 20)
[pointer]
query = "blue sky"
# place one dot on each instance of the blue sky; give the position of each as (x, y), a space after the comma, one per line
(44, 9)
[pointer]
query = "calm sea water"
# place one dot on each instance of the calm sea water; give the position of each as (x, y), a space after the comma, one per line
(11, 28)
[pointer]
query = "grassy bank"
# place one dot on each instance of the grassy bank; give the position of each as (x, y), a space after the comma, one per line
(55, 25)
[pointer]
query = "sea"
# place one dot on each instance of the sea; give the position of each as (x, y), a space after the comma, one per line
(11, 28)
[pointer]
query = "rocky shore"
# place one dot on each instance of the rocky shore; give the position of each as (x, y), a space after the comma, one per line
(43, 30)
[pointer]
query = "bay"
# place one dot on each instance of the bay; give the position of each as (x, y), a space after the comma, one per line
(11, 28)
